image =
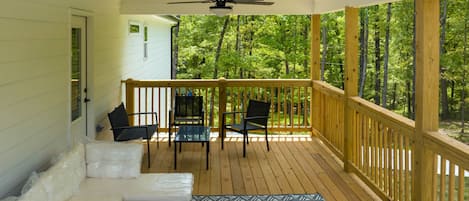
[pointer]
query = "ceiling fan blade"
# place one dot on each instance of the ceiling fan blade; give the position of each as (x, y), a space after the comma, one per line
(251, 2)
(255, 3)
(184, 2)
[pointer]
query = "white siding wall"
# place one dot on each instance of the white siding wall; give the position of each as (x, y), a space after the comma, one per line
(34, 75)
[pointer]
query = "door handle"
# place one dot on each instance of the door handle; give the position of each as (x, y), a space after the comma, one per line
(87, 100)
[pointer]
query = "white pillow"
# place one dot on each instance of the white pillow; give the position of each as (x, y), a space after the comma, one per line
(63, 179)
(113, 160)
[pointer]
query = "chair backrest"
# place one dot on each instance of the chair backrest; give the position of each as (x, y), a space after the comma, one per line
(118, 118)
(258, 108)
(188, 106)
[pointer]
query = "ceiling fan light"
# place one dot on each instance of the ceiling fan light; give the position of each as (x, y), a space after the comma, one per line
(221, 11)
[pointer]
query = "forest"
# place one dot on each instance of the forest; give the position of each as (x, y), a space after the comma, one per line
(261, 47)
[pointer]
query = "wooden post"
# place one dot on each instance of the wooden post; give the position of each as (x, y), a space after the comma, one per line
(129, 99)
(351, 78)
(221, 103)
(315, 70)
(426, 94)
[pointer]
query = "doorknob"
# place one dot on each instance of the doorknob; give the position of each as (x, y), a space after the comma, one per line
(87, 100)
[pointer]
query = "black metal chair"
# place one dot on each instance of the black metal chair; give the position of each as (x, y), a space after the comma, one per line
(188, 110)
(255, 118)
(123, 131)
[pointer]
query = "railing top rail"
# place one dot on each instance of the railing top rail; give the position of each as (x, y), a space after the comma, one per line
(328, 89)
(217, 82)
(383, 114)
(269, 82)
(449, 147)
(173, 83)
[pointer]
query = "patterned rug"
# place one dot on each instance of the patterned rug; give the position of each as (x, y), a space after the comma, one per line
(287, 197)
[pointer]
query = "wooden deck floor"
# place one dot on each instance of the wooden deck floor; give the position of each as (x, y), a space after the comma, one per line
(293, 165)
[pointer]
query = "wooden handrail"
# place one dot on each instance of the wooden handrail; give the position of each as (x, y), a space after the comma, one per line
(174, 83)
(452, 149)
(328, 89)
(216, 82)
(383, 115)
(268, 82)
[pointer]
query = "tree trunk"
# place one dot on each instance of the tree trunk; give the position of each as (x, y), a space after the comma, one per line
(215, 67)
(305, 51)
(463, 91)
(175, 51)
(443, 81)
(342, 74)
(409, 100)
(394, 96)
(463, 101)
(238, 45)
(377, 60)
(364, 52)
(386, 59)
(324, 51)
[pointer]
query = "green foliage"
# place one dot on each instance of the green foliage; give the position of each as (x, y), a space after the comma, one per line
(269, 47)
(278, 46)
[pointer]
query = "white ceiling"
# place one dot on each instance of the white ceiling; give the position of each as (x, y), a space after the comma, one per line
(293, 7)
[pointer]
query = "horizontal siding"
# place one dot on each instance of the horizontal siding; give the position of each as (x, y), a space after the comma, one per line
(32, 69)
(34, 75)
(24, 50)
(33, 11)
(14, 29)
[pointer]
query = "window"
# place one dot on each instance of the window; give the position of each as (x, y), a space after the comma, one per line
(134, 27)
(76, 73)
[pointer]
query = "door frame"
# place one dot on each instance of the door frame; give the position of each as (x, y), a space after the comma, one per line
(89, 78)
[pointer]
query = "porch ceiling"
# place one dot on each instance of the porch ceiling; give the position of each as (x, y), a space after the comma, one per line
(295, 7)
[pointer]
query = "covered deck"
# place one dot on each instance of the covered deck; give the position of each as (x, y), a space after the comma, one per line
(397, 158)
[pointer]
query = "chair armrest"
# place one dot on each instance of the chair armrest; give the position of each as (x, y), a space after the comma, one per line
(232, 112)
(256, 117)
(130, 127)
(143, 113)
(140, 113)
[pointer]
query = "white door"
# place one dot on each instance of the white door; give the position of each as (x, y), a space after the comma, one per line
(78, 79)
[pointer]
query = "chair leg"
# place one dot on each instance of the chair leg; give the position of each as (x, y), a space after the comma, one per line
(222, 132)
(157, 138)
(148, 151)
(267, 140)
(247, 137)
(169, 135)
(244, 144)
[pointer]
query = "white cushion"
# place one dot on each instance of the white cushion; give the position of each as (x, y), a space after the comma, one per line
(113, 160)
(147, 187)
(63, 179)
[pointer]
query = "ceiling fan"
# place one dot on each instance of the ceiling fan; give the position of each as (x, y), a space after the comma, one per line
(220, 8)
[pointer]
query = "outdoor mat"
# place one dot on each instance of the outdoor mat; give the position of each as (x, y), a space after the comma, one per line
(286, 197)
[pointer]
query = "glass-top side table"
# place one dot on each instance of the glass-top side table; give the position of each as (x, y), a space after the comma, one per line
(192, 134)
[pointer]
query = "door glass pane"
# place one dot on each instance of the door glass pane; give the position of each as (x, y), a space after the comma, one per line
(76, 73)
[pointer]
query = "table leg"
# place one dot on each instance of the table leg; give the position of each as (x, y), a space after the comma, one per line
(175, 153)
(208, 150)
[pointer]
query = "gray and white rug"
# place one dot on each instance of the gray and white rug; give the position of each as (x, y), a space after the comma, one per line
(286, 197)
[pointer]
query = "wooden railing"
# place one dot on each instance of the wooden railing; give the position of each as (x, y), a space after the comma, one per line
(450, 167)
(382, 147)
(382, 142)
(329, 117)
(290, 99)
